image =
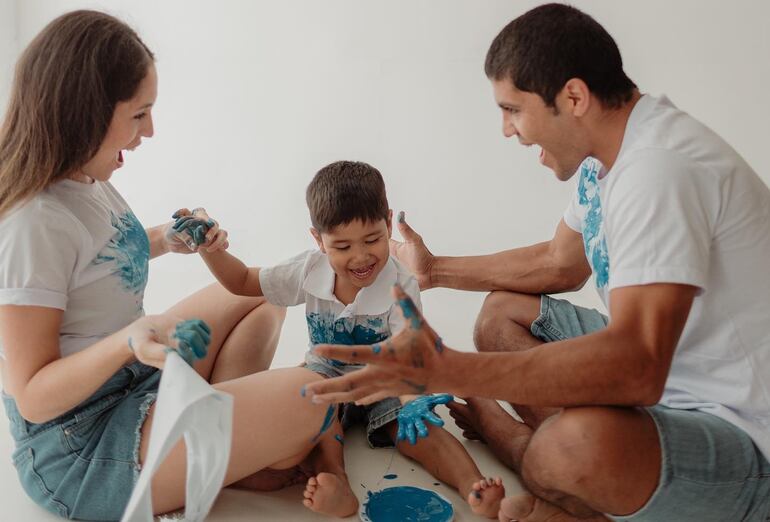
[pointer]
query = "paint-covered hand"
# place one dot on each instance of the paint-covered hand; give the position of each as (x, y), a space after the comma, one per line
(193, 230)
(414, 361)
(151, 337)
(413, 253)
(414, 414)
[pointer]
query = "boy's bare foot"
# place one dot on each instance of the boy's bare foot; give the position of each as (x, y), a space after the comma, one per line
(481, 418)
(485, 497)
(529, 508)
(330, 494)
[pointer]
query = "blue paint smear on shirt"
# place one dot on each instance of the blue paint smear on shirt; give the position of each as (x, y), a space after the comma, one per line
(593, 232)
(324, 329)
(407, 504)
(129, 249)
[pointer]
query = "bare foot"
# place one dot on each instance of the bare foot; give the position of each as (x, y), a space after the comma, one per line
(485, 497)
(272, 479)
(529, 508)
(478, 416)
(330, 494)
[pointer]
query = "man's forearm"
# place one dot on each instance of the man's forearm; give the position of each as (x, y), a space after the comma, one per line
(595, 369)
(530, 270)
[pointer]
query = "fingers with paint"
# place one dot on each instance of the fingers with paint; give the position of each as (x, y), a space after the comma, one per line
(196, 228)
(193, 337)
(413, 414)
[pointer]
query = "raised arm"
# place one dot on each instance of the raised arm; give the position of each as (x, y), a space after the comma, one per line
(232, 273)
(554, 266)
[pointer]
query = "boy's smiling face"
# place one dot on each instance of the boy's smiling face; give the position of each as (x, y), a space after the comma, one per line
(357, 252)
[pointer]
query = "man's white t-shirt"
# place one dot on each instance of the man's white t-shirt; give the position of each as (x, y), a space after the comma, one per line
(309, 278)
(79, 248)
(681, 206)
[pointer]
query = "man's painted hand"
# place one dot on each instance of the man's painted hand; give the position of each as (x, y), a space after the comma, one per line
(413, 253)
(411, 362)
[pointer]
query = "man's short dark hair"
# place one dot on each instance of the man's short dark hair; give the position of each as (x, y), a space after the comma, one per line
(547, 46)
(346, 191)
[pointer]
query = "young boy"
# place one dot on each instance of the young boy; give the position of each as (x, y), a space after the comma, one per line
(345, 286)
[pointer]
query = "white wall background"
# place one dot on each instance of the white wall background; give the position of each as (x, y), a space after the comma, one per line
(256, 96)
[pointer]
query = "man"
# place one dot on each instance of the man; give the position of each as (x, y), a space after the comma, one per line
(661, 412)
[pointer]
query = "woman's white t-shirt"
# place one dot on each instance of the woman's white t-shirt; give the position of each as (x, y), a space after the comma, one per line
(79, 248)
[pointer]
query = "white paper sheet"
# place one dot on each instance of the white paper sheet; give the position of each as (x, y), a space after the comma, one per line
(187, 406)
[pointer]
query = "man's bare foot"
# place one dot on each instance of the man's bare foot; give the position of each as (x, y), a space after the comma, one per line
(529, 508)
(330, 494)
(478, 416)
(272, 479)
(485, 497)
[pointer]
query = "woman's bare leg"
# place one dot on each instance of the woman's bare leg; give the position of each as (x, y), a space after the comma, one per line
(263, 434)
(244, 331)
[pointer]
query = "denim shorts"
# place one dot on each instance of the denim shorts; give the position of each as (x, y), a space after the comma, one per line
(376, 415)
(711, 469)
(84, 463)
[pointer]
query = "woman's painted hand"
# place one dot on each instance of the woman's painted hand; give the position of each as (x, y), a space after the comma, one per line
(193, 230)
(151, 337)
(411, 362)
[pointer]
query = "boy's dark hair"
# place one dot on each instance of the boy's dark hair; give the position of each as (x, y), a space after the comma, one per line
(345, 191)
(550, 44)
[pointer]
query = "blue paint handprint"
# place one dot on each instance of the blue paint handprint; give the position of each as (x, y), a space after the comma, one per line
(413, 414)
(193, 226)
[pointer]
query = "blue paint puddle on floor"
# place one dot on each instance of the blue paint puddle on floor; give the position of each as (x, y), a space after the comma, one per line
(406, 504)
(390, 476)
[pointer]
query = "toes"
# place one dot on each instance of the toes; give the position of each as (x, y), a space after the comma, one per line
(307, 503)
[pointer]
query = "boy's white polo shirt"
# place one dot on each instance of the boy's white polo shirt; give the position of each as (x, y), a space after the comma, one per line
(309, 278)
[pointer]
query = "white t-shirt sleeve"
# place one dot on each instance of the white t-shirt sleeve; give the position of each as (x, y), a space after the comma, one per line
(660, 217)
(282, 284)
(38, 256)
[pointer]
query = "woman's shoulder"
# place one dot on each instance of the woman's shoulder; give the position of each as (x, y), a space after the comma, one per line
(40, 210)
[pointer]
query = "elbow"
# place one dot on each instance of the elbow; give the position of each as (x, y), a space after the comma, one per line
(572, 279)
(649, 385)
(30, 413)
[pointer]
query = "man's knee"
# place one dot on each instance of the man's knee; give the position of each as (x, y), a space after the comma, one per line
(503, 311)
(586, 451)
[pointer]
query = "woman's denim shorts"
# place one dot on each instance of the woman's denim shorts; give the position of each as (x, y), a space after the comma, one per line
(84, 463)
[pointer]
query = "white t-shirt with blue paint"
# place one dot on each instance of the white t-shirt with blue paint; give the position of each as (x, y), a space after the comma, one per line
(79, 248)
(309, 278)
(681, 206)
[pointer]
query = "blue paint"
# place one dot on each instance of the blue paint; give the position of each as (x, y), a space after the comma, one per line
(406, 504)
(130, 344)
(193, 338)
(339, 438)
(196, 228)
(593, 232)
(439, 345)
(303, 391)
(390, 476)
(402, 217)
(410, 312)
(376, 349)
(413, 414)
(129, 250)
(327, 422)
(437, 483)
(324, 329)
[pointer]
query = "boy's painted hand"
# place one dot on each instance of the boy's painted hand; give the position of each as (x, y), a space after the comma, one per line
(413, 414)
(193, 230)
(151, 337)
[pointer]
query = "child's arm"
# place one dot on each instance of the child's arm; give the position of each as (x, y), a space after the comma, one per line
(230, 271)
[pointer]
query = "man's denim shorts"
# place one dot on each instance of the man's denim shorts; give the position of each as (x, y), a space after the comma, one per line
(84, 463)
(376, 416)
(711, 470)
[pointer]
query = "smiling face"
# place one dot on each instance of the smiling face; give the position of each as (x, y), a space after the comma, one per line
(357, 252)
(131, 121)
(556, 130)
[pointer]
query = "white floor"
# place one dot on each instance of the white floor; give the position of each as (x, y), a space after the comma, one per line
(366, 468)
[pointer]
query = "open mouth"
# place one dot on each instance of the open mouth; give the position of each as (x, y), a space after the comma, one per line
(120, 158)
(364, 272)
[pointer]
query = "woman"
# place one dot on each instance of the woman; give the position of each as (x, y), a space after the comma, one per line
(79, 358)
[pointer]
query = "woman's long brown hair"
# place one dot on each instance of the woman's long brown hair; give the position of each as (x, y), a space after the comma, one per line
(65, 89)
